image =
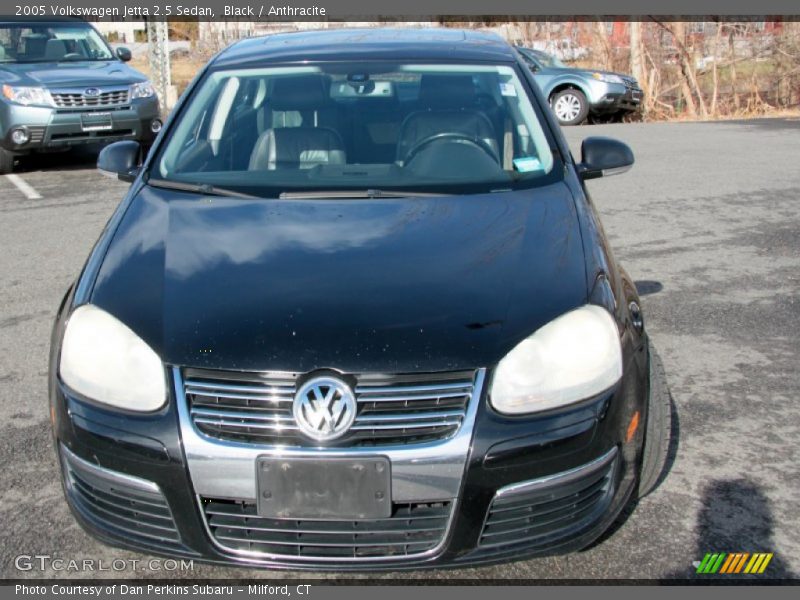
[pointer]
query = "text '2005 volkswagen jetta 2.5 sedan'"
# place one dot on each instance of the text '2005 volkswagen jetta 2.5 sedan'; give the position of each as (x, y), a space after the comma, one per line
(356, 311)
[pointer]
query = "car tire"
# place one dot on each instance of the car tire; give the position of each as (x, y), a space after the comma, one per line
(658, 431)
(570, 106)
(6, 161)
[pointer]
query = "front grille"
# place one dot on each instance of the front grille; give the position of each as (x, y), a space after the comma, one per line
(631, 83)
(257, 407)
(80, 100)
(411, 530)
(540, 512)
(123, 506)
(86, 135)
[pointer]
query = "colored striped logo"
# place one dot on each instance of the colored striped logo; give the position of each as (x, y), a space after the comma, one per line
(734, 562)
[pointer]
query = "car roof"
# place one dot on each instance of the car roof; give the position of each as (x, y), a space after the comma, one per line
(41, 22)
(369, 44)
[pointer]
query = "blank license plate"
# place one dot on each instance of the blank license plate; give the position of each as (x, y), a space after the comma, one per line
(96, 121)
(330, 488)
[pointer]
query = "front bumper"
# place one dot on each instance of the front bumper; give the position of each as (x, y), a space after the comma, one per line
(524, 487)
(614, 97)
(59, 128)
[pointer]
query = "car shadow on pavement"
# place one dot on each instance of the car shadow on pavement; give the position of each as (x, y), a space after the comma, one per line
(645, 287)
(736, 517)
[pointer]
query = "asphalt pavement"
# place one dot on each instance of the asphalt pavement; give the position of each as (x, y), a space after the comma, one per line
(707, 223)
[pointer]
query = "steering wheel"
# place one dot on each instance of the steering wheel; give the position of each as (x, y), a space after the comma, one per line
(456, 137)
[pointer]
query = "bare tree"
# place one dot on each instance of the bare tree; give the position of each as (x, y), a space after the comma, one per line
(601, 43)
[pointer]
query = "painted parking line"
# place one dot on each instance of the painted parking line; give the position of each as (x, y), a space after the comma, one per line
(24, 187)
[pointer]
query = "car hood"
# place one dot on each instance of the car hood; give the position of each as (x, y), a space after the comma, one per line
(581, 72)
(383, 285)
(70, 74)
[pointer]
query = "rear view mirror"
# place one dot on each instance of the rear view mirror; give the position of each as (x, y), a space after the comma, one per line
(602, 157)
(124, 54)
(121, 160)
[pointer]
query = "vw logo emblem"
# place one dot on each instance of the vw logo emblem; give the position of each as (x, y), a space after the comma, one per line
(91, 92)
(324, 408)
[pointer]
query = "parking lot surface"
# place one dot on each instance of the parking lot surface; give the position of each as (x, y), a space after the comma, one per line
(707, 223)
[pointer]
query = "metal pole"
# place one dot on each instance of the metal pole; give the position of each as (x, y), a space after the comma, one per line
(158, 50)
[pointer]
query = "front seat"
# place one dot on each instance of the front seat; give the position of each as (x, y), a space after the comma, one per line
(449, 106)
(302, 147)
(55, 50)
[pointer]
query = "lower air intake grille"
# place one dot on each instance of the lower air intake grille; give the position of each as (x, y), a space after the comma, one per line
(36, 135)
(123, 506)
(541, 511)
(411, 530)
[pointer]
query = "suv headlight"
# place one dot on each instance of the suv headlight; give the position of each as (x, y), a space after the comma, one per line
(144, 89)
(27, 95)
(105, 361)
(608, 78)
(574, 357)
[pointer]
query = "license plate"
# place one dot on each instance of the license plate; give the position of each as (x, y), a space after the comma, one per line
(96, 121)
(329, 488)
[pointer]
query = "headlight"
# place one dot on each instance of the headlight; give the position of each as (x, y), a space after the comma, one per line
(142, 90)
(571, 358)
(27, 95)
(608, 77)
(105, 361)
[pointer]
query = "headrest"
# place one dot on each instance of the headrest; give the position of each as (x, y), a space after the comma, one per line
(55, 49)
(304, 92)
(446, 91)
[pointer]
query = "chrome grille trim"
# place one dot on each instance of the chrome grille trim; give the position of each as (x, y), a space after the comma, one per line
(415, 530)
(421, 472)
(78, 99)
(121, 504)
(257, 407)
(537, 512)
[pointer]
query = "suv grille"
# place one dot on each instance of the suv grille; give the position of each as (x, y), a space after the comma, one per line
(79, 100)
(257, 407)
(412, 529)
(631, 83)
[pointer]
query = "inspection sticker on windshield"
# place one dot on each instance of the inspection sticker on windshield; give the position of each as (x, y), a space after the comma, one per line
(508, 89)
(526, 164)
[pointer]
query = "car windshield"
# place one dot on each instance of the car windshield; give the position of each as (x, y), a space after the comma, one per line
(357, 127)
(51, 42)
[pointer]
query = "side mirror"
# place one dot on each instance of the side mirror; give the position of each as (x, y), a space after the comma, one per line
(532, 66)
(602, 156)
(120, 160)
(124, 54)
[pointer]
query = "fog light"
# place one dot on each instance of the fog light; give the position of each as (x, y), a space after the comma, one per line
(20, 136)
(155, 126)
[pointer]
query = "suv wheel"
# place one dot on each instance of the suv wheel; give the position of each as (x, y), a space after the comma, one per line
(6, 161)
(570, 106)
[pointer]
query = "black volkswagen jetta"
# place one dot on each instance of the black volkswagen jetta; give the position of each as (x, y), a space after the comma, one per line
(355, 311)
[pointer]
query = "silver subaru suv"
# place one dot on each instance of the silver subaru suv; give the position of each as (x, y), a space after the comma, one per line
(63, 86)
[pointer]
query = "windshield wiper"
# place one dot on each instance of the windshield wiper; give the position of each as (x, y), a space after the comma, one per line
(333, 194)
(200, 188)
